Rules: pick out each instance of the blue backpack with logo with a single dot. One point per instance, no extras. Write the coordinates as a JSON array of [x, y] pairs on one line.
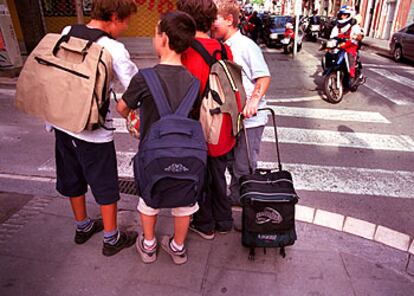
[[170, 166]]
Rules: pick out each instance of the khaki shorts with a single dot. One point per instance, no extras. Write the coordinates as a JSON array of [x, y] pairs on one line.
[[176, 212]]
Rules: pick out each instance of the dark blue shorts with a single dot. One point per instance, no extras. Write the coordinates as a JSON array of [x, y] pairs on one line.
[[80, 163]]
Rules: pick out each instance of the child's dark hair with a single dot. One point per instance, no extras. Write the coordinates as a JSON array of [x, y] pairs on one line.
[[204, 12], [180, 29]]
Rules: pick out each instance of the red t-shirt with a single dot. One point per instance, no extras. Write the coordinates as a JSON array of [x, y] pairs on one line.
[[194, 63]]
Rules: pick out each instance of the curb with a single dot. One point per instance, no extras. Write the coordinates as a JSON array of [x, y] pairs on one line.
[[347, 224]]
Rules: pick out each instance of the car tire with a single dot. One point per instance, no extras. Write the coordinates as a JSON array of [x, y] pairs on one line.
[[397, 54]]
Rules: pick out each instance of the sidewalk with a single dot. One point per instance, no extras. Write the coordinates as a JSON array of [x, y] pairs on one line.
[[377, 44], [38, 257]]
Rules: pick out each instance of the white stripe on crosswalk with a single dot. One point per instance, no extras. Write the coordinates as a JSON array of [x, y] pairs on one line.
[[389, 93], [330, 114], [395, 77], [7, 92], [350, 180], [292, 100], [325, 138], [382, 66], [340, 139]]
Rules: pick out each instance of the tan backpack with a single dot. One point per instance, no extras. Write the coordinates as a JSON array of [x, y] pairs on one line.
[[66, 81], [224, 88]]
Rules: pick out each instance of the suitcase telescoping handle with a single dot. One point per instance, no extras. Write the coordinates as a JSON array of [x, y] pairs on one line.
[[249, 156]]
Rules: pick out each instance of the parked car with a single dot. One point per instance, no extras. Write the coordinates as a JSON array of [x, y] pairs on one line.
[[402, 44], [274, 30]]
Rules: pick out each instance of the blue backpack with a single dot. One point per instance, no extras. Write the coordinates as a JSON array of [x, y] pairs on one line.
[[170, 166]]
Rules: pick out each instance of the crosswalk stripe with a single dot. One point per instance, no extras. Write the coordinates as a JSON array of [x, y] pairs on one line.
[[330, 114], [7, 92], [398, 67], [325, 114], [350, 180], [395, 77], [387, 92], [340, 139], [325, 138], [293, 100]]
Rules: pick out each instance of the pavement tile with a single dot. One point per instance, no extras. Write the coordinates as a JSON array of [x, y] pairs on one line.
[[359, 268], [392, 238], [226, 281], [20, 275], [139, 288], [312, 272], [314, 237], [382, 288]]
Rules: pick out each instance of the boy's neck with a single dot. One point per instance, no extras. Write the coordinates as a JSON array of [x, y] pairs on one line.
[[170, 58], [200, 34], [230, 33], [97, 24]]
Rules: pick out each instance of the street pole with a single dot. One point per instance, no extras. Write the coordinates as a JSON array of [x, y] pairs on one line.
[[79, 11], [298, 9]]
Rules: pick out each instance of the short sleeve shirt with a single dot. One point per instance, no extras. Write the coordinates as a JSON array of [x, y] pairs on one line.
[[249, 56], [124, 69], [175, 82]]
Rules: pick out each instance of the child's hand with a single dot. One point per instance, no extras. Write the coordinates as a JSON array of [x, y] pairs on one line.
[[251, 108]]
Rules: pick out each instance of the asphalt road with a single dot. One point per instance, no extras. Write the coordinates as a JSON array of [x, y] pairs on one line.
[[354, 158]]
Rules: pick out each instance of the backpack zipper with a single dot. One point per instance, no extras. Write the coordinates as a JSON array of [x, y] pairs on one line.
[[269, 194], [48, 63], [266, 182]]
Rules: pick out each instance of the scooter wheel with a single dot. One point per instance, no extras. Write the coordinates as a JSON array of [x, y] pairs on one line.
[[333, 93]]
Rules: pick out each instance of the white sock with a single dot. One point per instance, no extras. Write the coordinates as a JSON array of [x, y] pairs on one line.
[[150, 244], [176, 247]]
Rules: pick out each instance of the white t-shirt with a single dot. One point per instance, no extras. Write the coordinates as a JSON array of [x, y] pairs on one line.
[[247, 54], [124, 69]]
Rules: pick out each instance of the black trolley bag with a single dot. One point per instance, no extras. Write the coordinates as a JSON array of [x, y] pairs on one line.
[[268, 201]]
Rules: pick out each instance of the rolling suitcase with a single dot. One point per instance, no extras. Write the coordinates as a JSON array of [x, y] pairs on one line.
[[268, 201]]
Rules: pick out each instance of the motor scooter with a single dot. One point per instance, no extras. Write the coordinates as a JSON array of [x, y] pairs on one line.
[[335, 64]]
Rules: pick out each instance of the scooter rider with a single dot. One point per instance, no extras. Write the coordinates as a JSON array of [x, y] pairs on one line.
[[349, 35]]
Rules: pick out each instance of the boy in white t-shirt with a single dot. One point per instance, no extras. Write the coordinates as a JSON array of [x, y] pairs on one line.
[[88, 157], [256, 80]]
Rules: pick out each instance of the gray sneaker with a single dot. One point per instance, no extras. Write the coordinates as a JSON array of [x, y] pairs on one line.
[[179, 257], [147, 256]]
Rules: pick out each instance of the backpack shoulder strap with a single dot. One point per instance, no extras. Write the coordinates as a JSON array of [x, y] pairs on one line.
[[189, 99], [224, 55], [82, 31], [207, 57], [156, 90]]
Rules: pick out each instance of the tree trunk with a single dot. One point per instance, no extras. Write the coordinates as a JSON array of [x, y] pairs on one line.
[[31, 22]]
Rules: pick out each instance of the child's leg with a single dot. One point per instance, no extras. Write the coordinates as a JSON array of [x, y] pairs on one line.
[[79, 207], [109, 217], [148, 226], [181, 225]]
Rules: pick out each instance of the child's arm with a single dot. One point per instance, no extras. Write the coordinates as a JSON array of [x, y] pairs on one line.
[[122, 108], [261, 86]]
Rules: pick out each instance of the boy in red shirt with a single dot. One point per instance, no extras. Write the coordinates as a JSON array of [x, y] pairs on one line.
[[215, 213]]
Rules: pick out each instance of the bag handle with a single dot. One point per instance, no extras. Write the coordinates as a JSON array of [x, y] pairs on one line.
[[65, 39], [249, 157], [156, 90]]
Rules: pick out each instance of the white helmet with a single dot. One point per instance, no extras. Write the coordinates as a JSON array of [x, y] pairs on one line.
[[289, 26], [345, 10]]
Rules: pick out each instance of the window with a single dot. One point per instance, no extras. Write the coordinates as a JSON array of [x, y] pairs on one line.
[[410, 29]]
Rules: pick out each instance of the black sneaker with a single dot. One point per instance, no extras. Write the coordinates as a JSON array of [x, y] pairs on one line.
[[83, 236], [206, 235], [223, 230], [126, 240]]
